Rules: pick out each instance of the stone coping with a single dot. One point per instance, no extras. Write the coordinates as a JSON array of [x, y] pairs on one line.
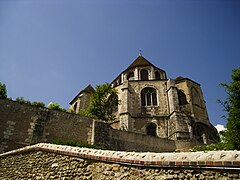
[[211, 159]]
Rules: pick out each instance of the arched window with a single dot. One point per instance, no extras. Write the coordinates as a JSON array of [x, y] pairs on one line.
[[182, 100], [195, 97], [151, 129], [130, 76], [144, 74], [149, 97], [113, 99], [157, 75]]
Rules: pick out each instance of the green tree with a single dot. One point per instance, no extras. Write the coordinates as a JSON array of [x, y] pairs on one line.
[[103, 102], [3, 91], [232, 106]]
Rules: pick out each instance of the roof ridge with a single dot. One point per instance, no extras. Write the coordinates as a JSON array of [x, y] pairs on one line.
[[140, 61]]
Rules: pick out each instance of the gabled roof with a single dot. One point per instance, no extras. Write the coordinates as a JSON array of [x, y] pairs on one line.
[[89, 89], [140, 61]]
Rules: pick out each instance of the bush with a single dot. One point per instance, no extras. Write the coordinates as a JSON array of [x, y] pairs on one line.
[[21, 100], [75, 144], [55, 106], [212, 147], [3, 91], [40, 104], [86, 113]]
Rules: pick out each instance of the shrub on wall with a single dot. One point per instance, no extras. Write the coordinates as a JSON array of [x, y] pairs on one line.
[[212, 147], [23, 101], [40, 104], [3, 91], [55, 106], [75, 144]]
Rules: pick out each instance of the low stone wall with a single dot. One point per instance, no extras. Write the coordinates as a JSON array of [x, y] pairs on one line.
[[46, 161], [106, 136]]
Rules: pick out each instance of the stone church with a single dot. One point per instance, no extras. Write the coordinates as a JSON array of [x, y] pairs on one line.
[[150, 103]]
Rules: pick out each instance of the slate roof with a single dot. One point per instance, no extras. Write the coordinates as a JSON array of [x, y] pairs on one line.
[[181, 79], [140, 61], [89, 89]]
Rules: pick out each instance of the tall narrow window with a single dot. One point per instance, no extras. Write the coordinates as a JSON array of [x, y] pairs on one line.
[[157, 75], [182, 100], [130, 76], [113, 99], [149, 97], [144, 74]]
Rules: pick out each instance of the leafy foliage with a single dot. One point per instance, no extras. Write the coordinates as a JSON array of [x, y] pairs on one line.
[[23, 101], [55, 106], [103, 102], [232, 106], [40, 104], [3, 91], [76, 144], [212, 147], [86, 113]]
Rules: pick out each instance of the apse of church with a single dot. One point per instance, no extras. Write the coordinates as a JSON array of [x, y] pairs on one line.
[[152, 104]]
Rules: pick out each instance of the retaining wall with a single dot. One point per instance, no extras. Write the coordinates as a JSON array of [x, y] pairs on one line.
[[22, 125], [110, 138]]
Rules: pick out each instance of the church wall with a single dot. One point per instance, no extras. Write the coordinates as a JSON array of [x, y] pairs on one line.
[[136, 108], [179, 125], [83, 102], [131, 110], [183, 86], [140, 124], [197, 104]]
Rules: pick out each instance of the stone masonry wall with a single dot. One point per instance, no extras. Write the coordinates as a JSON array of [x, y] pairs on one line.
[[110, 138], [45, 161], [40, 165], [22, 125]]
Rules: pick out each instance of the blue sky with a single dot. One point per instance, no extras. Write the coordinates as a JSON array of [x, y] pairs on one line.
[[51, 49]]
